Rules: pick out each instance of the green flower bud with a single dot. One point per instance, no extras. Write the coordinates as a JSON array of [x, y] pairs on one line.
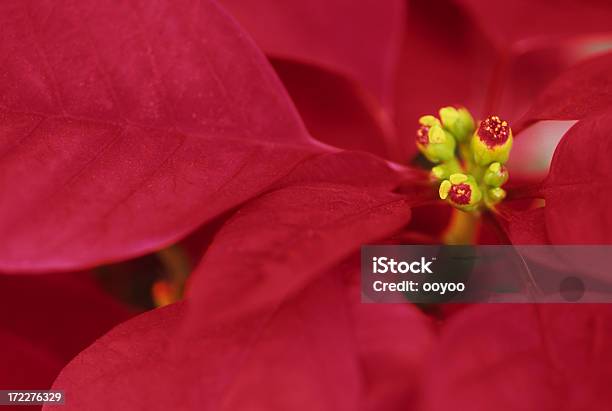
[[492, 141], [495, 195], [458, 121], [496, 175], [428, 121], [444, 170], [461, 191], [433, 141], [440, 172]]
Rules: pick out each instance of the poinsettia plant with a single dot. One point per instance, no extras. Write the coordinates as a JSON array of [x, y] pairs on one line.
[[272, 140]]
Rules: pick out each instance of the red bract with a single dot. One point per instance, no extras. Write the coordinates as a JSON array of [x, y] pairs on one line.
[[528, 227], [338, 62], [304, 353], [291, 239], [126, 126], [335, 111], [581, 91], [578, 190], [154, 117], [359, 40], [518, 357], [524, 24]]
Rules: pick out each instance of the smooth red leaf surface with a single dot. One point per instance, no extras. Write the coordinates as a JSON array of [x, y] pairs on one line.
[[279, 243], [356, 169], [523, 357], [444, 61], [320, 350], [578, 189], [336, 111], [125, 125], [356, 39], [298, 356], [526, 76], [521, 24], [393, 341], [134, 356], [528, 227], [581, 91]]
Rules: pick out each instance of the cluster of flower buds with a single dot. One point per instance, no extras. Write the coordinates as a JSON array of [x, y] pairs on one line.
[[469, 160]]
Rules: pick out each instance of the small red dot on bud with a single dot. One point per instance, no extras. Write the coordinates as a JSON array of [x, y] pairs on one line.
[[493, 131], [422, 135]]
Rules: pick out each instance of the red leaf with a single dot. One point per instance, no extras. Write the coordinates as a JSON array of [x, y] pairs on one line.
[[355, 169], [304, 354], [301, 230], [393, 354], [336, 111], [131, 359], [125, 126], [521, 24], [393, 341], [526, 76], [291, 358], [356, 39], [578, 189], [528, 227], [523, 357], [581, 91]]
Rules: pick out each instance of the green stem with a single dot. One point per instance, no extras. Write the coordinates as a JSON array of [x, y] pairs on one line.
[[465, 152], [453, 166], [463, 228]]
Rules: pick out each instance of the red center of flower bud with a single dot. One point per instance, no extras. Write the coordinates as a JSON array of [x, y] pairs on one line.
[[422, 135], [493, 131], [460, 194]]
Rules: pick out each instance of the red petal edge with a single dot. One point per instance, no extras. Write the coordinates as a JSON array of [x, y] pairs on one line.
[[359, 40], [578, 189], [278, 244], [581, 91]]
